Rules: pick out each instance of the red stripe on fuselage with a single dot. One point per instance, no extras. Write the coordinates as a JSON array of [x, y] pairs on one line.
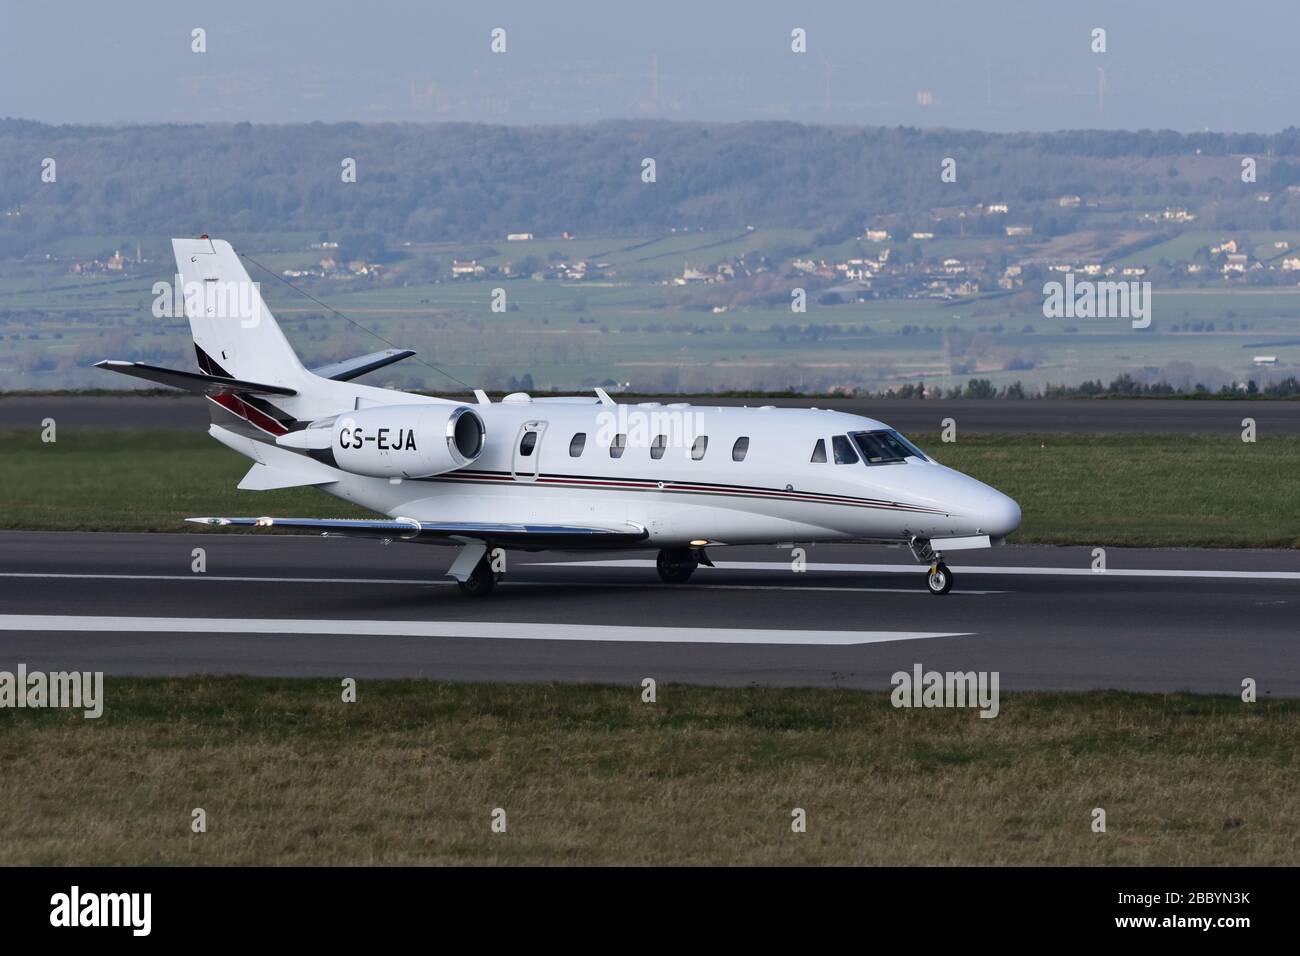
[[689, 488], [259, 419]]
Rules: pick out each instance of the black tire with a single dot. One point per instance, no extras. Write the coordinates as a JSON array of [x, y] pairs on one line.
[[938, 580], [481, 580], [676, 565]]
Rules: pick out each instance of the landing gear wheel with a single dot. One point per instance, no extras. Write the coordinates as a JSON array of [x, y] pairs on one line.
[[481, 580], [676, 565], [939, 579]]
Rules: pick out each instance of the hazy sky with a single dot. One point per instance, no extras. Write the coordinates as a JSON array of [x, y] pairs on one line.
[[1023, 64]]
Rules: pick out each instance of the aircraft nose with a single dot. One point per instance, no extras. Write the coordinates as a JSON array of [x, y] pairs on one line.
[[999, 515]]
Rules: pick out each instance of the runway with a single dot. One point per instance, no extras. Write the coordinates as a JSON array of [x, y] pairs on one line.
[[276, 605], [1127, 416]]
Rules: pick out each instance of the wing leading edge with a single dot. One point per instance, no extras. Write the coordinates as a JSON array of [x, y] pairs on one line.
[[409, 529]]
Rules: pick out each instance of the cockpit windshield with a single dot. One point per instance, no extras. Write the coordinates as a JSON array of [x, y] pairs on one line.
[[885, 447]]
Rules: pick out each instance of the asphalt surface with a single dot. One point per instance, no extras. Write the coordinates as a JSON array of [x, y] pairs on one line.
[[1028, 416], [269, 604]]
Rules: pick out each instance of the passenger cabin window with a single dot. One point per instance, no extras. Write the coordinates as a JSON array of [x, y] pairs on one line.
[[844, 453], [700, 447], [616, 447], [819, 452], [740, 449], [527, 444], [886, 447], [657, 446], [578, 443]]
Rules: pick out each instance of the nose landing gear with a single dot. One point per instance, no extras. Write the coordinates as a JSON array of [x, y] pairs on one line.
[[938, 580]]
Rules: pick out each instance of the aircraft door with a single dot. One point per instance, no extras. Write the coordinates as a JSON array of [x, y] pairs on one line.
[[528, 451]]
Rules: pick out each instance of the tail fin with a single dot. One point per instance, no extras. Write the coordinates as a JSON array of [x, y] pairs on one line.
[[235, 334]]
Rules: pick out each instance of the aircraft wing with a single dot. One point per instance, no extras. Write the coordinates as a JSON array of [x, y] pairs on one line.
[[434, 532]]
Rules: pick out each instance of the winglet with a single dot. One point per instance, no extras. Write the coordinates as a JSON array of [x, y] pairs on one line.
[[482, 397], [604, 396]]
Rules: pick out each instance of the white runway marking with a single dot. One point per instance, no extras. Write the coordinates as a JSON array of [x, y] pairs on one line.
[[790, 587], [498, 630], [217, 577], [241, 579], [956, 568]]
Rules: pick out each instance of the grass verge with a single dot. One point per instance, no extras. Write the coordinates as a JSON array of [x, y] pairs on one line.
[[411, 773], [1138, 490]]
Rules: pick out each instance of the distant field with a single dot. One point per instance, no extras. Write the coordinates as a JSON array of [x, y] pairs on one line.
[[571, 335], [412, 772], [1184, 246], [636, 327], [1138, 490]]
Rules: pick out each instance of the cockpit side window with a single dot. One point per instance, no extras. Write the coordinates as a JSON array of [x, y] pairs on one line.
[[886, 447], [819, 452], [844, 453]]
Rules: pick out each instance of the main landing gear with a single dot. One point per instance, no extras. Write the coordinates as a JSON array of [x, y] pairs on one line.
[[938, 580], [676, 565], [480, 581], [472, 570]]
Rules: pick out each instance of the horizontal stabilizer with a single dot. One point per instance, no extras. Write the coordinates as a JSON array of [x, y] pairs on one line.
[[349, 369], [267, 478], [197, 382], [519, 535]]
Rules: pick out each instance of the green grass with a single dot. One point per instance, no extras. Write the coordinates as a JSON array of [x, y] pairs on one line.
[[1137, 490], [135, 481], [1140, 490], [411, 772]]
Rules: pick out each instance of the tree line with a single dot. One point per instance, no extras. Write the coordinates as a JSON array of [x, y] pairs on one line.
[[465, 181]]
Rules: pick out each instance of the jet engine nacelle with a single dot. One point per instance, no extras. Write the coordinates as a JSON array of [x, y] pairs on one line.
[[407, 441]]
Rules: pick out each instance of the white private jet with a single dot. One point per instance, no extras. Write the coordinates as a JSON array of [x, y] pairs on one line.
[[572, 474]]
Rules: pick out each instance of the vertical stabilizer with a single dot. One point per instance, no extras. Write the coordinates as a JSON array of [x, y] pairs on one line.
[[234, 332]]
